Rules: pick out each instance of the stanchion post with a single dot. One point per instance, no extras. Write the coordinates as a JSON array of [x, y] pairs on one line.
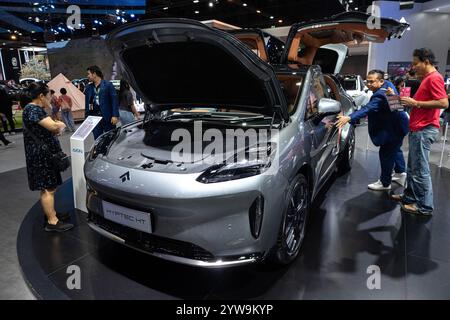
[[443, 145]]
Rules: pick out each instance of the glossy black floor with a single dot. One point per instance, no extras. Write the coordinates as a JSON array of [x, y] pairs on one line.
[[351, 228]]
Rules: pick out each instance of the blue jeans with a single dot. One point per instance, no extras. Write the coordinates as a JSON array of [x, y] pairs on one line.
[[420, 188], [391, 157], [68, 120], [126, 117]]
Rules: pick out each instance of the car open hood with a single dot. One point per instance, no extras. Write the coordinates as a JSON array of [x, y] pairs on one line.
[[184, 63], [305, 38]]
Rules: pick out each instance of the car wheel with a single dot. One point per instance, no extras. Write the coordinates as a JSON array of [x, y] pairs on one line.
[[293, 224], [346, 157]]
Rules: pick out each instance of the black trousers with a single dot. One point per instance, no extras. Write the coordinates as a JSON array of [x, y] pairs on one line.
[[9, 119], [3, 139]]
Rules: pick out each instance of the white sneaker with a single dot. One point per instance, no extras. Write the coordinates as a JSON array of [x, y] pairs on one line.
[[400, 178], [378, 186]]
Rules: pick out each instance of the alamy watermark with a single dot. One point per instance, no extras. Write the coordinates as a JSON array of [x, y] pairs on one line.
[[374, 280], [74, 280]]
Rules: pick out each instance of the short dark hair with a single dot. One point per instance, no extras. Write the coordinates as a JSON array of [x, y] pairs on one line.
[[424, 54], [63, 91], [96, 70], [379, 73]]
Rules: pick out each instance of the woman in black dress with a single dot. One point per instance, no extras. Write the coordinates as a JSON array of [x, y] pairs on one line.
[[39, 130]]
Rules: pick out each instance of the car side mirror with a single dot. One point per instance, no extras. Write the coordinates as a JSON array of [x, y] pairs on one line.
[[328, 107]]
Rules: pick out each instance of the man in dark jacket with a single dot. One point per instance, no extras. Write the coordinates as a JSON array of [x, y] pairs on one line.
[[386, 129], [6, 109], [101, 100]]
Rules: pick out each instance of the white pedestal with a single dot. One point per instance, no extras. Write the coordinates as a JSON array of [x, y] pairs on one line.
[[78, 150]]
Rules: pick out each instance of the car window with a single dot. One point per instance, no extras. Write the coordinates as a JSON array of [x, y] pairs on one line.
[[317, 91], [291, 84]]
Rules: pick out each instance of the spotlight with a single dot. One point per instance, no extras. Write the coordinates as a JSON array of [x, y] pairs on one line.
[[244, 4], [406, 4], [196, 1], [196, 12], [258, 11], [211, 4]]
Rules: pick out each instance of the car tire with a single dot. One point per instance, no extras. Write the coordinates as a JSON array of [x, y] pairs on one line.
[[345, 161], [293, 223]]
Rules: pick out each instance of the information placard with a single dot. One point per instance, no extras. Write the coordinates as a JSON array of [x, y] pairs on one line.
[[86, 127]]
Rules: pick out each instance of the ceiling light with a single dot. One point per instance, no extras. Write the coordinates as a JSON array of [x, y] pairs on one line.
[[258, 11], [211, 4], [197, 12], [350, 1], [196, 1], [132, 15], [280, 21], [271, 17], [13, 37], [244, 4], [356, 9], [36, 3], [166, 8]]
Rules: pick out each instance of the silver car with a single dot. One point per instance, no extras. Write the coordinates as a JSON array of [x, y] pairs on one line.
[[201, 210]]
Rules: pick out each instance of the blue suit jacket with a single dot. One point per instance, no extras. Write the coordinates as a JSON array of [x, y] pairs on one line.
[[385, 126], [109, 105]]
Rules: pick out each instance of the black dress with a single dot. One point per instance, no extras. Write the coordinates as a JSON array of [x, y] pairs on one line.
[[41, 175]]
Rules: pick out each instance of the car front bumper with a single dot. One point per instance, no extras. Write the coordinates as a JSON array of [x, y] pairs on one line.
[[201, 225]]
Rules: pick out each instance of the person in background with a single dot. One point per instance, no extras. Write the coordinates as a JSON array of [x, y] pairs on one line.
[[6, 104], [412, 82], [42, 175], [66, 109], [417, 198], [399, 82], [101, 100], [386, 129], [127, 109], [5, 141], [54, 103]]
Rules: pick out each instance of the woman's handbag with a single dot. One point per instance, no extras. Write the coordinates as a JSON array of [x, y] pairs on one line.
[[59, 160]]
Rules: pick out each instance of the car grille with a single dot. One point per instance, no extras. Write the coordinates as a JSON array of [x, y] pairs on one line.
[[152, 243]]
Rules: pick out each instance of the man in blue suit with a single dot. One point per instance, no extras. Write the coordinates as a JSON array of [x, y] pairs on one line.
[[386, 129], [101, 100]]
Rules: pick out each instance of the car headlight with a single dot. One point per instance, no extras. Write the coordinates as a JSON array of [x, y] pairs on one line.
[[102, 144], [256, 160]]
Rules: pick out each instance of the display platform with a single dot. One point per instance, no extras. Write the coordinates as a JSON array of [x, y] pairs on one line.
[[351, 230]]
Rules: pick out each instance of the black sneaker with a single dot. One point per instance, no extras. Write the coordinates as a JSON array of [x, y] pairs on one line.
[[58, 227], [62, 216]]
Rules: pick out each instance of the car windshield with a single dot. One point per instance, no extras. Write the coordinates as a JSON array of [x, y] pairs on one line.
[[349, 84], [291, 84]]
